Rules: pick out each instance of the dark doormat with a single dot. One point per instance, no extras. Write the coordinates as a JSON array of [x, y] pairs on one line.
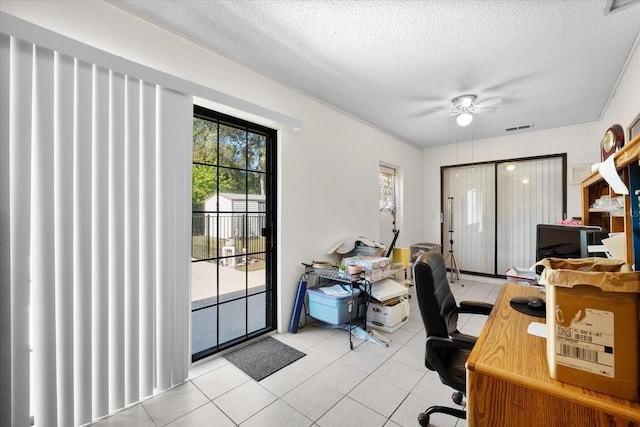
[[264, 357]]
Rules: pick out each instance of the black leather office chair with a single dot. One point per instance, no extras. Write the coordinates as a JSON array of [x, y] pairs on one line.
[[447, 349]]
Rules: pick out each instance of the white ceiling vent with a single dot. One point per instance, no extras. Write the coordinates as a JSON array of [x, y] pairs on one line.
[[617, 5]]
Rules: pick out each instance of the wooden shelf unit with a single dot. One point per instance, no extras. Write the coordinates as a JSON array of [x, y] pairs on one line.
[[594, 186]]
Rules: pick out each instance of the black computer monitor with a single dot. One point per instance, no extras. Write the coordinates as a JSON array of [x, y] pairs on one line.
[[567, 241]]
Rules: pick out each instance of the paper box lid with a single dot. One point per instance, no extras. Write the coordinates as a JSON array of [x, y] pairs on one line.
[[386, 289], [610, 275]]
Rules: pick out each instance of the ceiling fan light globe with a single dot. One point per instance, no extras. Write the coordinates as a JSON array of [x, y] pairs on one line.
[[464, 119]]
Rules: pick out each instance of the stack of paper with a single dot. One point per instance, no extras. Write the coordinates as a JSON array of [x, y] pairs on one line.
[[336, 290]]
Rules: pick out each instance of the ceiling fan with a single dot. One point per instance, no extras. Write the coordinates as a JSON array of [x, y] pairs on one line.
[[465, 106]]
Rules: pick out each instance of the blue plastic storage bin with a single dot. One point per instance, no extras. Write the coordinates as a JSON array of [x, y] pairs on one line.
[[335, 310]]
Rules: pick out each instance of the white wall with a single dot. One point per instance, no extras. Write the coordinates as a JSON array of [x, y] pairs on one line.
[[580, 142], [624, 104], [328, 170], [328, 185]]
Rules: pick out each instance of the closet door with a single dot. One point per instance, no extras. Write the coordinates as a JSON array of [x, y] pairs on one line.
[[490, 211], [468, 201], [530, 192]]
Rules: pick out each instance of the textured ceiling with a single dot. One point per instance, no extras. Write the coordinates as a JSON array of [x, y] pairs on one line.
[[395, 63]]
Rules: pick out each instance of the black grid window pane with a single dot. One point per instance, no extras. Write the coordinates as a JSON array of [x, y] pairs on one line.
[[233, 254]]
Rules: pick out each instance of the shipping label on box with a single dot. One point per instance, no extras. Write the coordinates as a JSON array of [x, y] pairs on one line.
[[586, 342]]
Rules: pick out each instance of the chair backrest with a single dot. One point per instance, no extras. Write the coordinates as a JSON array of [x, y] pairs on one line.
[[437, 304]]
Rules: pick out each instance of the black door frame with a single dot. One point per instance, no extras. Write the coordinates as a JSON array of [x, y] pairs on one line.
[[268, 232]]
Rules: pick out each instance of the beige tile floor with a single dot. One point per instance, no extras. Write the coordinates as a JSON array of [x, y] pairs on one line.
[[331, 386], [204, 279]]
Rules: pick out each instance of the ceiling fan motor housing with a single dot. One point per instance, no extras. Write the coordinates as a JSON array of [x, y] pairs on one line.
[[464, 101]]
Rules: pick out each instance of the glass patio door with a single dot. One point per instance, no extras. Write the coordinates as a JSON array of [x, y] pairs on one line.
[[233, 251]]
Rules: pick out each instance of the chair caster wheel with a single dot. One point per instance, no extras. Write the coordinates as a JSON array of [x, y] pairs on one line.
[[457, 398], [423, 419]]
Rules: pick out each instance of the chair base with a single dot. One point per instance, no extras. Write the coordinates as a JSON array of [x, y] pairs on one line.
[[423, 418]]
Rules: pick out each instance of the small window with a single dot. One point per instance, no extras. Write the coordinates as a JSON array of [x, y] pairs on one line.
[[387, 182]]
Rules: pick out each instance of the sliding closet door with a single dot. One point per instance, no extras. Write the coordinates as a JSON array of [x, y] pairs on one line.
[[490, 211], [530, 192], [469, 217]]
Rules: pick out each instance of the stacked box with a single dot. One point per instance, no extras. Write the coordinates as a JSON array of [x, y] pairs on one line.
[[368, 263], [389, 317], [375, 268], [593, 318]]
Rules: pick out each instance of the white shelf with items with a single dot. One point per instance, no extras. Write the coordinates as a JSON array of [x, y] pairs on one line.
[[362, 281], [595, 188]]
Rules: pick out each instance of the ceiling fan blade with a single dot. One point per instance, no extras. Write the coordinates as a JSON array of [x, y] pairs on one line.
[[489, 102], [485, 110], [440, 113], [434, 113], [437, 114], [448, 109]]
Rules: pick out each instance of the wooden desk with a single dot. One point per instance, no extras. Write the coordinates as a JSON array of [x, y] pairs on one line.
[[508, 382]]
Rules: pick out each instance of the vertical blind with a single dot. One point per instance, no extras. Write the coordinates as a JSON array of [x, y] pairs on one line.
[[95, 190]]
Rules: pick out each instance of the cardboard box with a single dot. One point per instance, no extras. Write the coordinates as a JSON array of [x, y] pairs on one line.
[[389, 315], [375, 268], [400, 256], [593, 319], [377, 274], [390, 329], [418, 249], [332, 309], [375, 324], [368, 263]]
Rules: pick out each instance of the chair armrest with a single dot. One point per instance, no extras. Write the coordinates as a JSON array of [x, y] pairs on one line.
[[475, 307]]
